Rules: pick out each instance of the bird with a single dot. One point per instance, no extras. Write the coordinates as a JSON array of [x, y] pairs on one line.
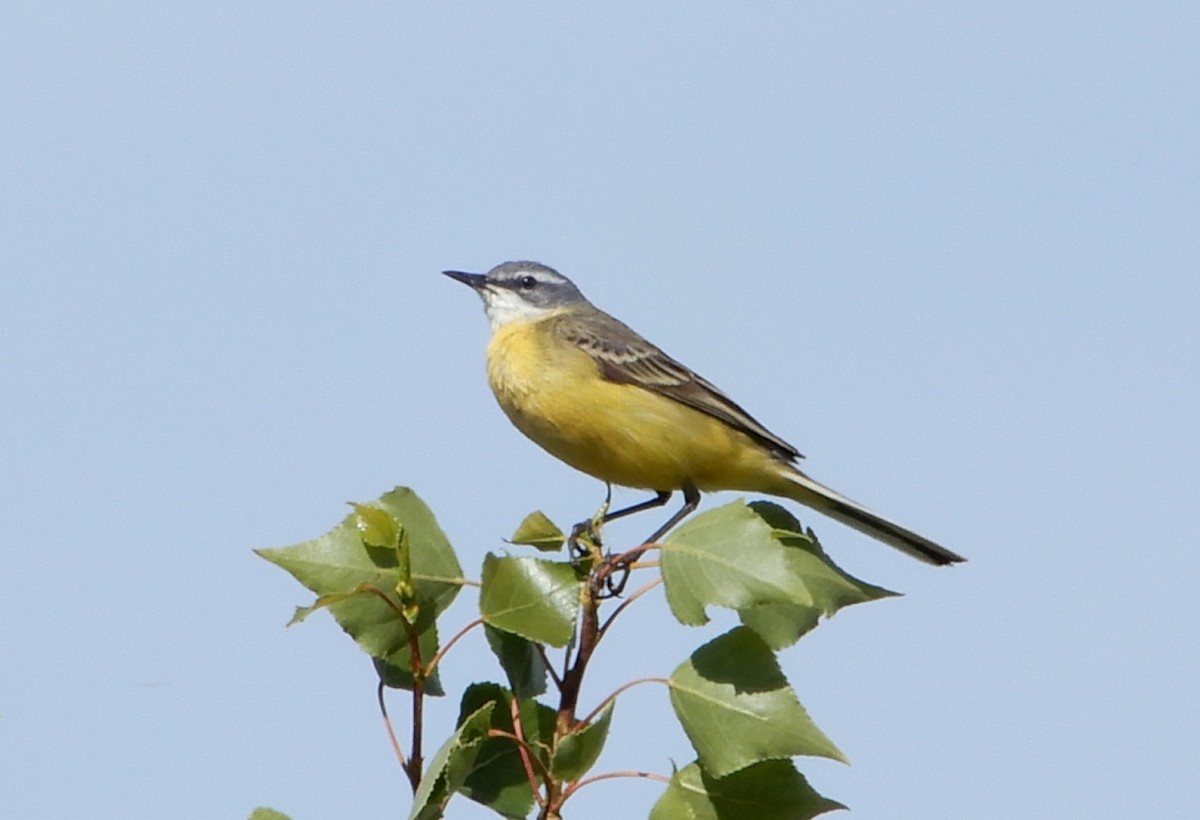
[[595, 394]]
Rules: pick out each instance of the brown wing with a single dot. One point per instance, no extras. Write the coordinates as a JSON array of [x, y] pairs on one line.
[[625, 357]]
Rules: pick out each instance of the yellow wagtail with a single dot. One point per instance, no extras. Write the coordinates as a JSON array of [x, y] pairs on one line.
[[595, 394]]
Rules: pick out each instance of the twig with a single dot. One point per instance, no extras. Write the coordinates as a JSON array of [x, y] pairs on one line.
[[638, 594], [418, 705], [441, 652], [579, 784], [521, 744], [514, 711], [591, 715], [415, 761], [624, 563], [387, 722], [541, 650], [589, 625], [379, 593]]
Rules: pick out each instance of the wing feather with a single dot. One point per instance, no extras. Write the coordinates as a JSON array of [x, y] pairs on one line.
[[624, 357]]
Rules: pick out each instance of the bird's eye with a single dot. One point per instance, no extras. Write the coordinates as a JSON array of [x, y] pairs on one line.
[[528, 282]]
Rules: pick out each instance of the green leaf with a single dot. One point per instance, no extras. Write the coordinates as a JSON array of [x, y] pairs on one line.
[[342, 563], [498, 779], [726, 557], [755, 559], [378, 528], [832, 588], [738, 709], [530, 597], [302, 612], [771, 790], [451, 765], [263, 813], [522, 663], [539, 531], [577, 751], [780, 625]]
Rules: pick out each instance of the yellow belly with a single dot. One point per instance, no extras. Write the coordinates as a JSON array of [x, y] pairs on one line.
[[620, 433]]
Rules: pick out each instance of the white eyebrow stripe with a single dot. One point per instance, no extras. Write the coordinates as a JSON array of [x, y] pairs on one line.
[[542, 276]]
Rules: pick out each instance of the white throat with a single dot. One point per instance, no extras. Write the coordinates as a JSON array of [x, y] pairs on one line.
[[503, 307]]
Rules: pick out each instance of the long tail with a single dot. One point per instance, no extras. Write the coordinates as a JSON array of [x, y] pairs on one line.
[[801, 488]]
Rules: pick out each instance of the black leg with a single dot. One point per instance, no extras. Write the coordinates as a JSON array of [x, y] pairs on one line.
[[691, 500], [579, 529], [615, 581], [659, 500]]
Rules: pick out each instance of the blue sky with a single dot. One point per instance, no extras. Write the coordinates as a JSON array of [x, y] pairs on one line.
[[949, 250]]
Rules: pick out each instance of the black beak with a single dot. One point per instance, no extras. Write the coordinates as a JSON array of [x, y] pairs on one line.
[[474, 280]]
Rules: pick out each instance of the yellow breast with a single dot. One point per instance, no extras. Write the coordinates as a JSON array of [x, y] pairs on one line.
[[553, 392]]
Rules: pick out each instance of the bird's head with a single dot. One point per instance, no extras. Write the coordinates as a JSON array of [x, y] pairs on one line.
[[521, 291]]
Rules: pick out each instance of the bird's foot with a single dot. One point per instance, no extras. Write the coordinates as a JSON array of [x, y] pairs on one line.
[[584, 539]]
